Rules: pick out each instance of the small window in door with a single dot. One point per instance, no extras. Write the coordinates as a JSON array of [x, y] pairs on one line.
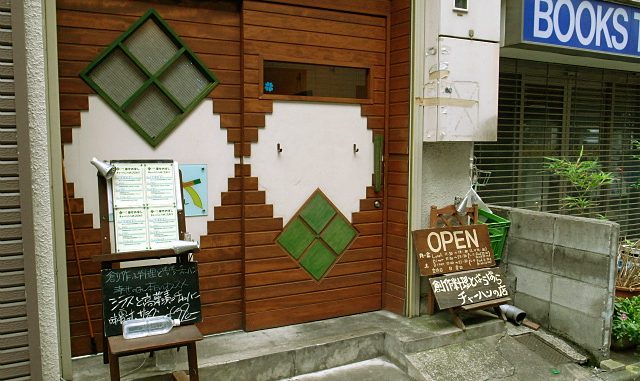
[[290, 79]]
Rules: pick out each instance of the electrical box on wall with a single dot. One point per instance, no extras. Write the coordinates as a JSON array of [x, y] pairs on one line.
[[477, 19], [461, 91], [460, 87]]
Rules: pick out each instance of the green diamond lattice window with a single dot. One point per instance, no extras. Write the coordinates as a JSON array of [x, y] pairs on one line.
[[150, 78], [317, 235]]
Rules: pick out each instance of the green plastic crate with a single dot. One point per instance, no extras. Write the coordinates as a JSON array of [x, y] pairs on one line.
[[498, 230]]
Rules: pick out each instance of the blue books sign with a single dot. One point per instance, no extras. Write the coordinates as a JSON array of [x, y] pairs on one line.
[[588, 25]]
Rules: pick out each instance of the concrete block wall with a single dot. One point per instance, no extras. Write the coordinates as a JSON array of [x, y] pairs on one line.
[[562, 271]]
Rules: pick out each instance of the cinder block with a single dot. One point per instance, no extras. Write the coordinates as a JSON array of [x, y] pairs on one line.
[[586, 331], [581, 297], [511, 281], [502, 211], [587, 234], [537, 310], [530, 254], [582, 265], [532, 282], [534, 226]]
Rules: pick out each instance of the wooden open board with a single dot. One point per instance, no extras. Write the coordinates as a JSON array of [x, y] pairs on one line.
[[469, 287], [450, 249], [138, 292]]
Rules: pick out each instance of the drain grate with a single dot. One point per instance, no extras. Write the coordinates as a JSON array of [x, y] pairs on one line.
[[543, 349]]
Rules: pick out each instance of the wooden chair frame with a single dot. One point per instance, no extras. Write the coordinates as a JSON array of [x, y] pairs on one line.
[[446, 217]]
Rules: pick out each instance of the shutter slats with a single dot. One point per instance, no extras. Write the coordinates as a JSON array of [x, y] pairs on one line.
[[13, 355], [13, 325], [551, 110], [12, 340], [11, 278], [14, 343], [12, 294], [15, 370]]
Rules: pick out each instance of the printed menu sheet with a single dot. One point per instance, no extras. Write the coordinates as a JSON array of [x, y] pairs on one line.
[[144, 205]]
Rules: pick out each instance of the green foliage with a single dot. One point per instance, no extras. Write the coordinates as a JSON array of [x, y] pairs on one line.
[[626, 319], [586, 177]]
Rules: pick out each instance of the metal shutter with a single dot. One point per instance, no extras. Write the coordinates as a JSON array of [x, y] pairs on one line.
[[14, 349], [551, 110]]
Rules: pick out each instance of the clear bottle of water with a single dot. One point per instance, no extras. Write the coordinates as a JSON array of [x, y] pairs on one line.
[[154, 325]]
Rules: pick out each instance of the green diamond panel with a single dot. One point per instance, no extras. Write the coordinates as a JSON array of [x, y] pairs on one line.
[[339, 234], [317, 260], [317, 236], [318, 212], [296, 238]]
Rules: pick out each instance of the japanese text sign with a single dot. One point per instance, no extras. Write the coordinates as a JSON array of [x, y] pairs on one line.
[[469, 287], [450, 249]]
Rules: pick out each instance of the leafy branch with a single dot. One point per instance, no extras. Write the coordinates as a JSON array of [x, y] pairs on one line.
[[586, 178]]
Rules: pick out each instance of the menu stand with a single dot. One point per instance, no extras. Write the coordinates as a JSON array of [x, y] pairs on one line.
[[118, 346]]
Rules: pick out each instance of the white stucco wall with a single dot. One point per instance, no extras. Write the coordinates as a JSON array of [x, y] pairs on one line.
[[39, 240], [445, 174], [197, 140], [317, 152]]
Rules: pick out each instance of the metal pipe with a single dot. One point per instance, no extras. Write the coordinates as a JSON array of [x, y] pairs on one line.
[[513, 313]]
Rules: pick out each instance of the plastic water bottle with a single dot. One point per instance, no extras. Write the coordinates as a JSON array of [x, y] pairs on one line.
[[154, 325]]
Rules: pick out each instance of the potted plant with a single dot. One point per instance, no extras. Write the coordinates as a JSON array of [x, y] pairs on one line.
[[628, 266], [625, 331]]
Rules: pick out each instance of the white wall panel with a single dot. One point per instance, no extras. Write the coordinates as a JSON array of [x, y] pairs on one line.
[[197, 140], [317, 152]]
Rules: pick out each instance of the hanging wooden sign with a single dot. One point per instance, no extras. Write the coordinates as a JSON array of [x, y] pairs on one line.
[[450, 249], [469, 287]]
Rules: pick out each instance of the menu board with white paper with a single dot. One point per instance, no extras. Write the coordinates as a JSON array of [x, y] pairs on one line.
[[145, 207]]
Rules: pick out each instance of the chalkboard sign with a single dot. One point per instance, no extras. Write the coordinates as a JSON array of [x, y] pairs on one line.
[[139, 292], [469, 287], [450, 249]]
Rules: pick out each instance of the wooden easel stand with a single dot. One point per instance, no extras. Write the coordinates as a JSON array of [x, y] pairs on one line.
[[118, 346], [177, 337], [448, 217], [495, 303]]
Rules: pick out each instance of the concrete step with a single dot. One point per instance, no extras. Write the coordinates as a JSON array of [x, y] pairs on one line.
[[291, 351], [378, 369], [495, 357], [263, 359]]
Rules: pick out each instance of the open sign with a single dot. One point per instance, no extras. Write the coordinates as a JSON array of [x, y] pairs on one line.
[[445, 239], [451, 249]]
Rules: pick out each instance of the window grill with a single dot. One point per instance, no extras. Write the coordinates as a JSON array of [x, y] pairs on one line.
[[150, 78], [551, 110]]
